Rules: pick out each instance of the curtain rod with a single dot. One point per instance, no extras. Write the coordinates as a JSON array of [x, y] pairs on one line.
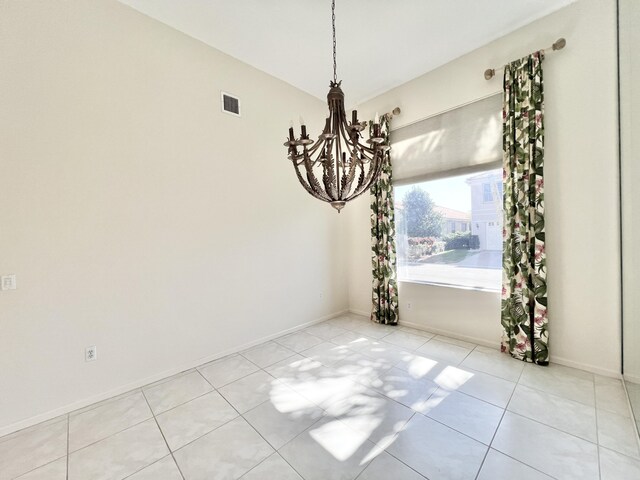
[[559, 44]]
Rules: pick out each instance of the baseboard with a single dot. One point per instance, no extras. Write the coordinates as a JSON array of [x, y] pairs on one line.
[[605, 372], [437, 331], [631, 378], [485, 343], [51, 414], [360, 312]]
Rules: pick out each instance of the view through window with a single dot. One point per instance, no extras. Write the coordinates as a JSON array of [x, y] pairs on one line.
[[449, 230]]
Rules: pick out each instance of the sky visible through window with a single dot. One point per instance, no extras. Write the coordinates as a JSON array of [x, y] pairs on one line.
[[450, 192]]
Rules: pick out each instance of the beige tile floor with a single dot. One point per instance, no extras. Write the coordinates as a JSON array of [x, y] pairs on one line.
[[341, 400]]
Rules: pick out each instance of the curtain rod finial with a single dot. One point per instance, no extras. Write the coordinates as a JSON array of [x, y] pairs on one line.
[[489, 73], [559, 44]]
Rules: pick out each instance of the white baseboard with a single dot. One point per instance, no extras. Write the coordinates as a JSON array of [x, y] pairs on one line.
[[631, 378], [465, 338], [51, 414], [605, 372], [360, 312], [486, 343]]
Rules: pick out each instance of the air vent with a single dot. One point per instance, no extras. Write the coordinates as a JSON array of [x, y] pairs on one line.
[[230, 104]]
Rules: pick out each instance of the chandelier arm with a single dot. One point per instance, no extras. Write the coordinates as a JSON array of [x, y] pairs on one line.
[[303, 182], [328, 178], [329, 175], [372, 174], [306, 186], [342, 133], [347, 182], [368, 152], [314, 148], [337, 160], [313, 181]]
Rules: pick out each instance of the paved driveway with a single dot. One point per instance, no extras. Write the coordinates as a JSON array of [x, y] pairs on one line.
[[482, 259], [482, 269]]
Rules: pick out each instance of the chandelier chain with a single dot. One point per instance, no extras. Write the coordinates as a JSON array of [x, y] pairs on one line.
[[333, 23]]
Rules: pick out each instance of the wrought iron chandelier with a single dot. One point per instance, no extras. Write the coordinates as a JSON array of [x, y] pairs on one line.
[[346, 167]]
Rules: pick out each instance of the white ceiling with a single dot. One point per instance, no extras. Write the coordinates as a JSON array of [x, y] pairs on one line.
[[381, 43]]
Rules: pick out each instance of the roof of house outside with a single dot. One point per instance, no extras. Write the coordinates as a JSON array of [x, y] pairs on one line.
[[451, 214]]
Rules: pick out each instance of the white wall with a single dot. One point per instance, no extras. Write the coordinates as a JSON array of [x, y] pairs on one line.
[[581, 179], [137, 216]]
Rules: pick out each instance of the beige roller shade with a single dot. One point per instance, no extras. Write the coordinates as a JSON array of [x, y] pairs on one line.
[[465, 139]]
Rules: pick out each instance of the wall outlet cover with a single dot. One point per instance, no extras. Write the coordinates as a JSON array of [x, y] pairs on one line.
[[90, 354], [8, 282]]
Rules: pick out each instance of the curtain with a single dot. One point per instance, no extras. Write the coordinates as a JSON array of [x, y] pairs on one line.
[[524, 287], [383, 248]]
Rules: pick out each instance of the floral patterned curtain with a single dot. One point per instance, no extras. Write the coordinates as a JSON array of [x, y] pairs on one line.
[[383, 247], [524, 286]]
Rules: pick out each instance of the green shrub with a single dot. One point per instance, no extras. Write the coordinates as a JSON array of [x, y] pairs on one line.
[[461, 241]]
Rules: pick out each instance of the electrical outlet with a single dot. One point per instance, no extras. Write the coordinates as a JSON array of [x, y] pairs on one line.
[[8, 282], [408, 306], [91, 353], [321, 295]]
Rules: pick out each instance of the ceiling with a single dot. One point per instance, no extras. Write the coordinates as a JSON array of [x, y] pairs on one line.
[[381, 43]]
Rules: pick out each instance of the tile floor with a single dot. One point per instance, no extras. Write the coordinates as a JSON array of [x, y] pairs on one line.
[[340, 400]]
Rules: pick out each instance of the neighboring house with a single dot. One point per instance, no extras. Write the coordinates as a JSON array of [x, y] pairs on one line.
[[486, 209], [453, 220]]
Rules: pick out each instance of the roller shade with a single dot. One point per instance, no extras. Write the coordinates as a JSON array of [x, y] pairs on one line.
[[465, 138]]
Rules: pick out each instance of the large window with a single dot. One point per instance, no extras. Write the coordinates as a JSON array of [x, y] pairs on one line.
[[449, 230]]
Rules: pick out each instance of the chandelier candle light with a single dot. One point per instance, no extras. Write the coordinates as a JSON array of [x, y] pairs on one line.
[[338, 155]]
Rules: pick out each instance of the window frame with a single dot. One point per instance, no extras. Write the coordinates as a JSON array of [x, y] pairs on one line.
[[476, 169]]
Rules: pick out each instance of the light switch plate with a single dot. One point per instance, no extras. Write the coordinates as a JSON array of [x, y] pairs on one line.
[[8, 282]]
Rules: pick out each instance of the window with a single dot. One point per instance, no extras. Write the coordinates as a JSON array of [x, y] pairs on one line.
[[448, 194], [448, 233], [487, 196]]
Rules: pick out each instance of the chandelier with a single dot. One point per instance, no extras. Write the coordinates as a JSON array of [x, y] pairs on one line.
[[337, 167]]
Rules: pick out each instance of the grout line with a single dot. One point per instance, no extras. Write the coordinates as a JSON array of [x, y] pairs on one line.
[[153, 463], [114, 433], [504, 412], [45, 423], [525, 464], [68, 430], [258, 464], [595, 403], [106, 401], [392, 455], [207, 433], [163, 437], [146, 419], [277, 361], [277, 451], [34, 469], [234, 380]]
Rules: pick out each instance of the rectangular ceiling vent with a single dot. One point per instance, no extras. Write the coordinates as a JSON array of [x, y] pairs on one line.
[[230, 104]]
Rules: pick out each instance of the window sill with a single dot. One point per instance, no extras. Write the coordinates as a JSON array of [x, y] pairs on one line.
[[450, 285]]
